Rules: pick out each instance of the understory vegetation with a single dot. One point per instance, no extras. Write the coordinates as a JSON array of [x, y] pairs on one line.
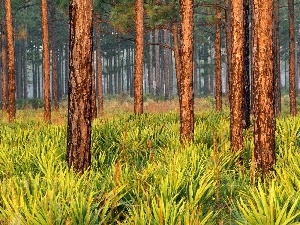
[[140, 173]]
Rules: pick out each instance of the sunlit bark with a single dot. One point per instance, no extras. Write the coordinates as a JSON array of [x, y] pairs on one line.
[[263, 86], [80, 85], [139, 57], [186, 77]]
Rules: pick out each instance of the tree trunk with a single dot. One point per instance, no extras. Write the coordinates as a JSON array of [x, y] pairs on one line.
[[151, 78], [186, 78], [292, 65], [236, 84], [277, 58], [99, 71], [218, 59], [246, 68], [263, 86], [11, 62], [139, 57], [157, 64], [80, 85], [46, 61], [228, 47], [4, 68], [54, 62], [177, 58]]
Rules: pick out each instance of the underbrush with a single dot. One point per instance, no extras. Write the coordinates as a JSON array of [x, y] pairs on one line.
[[140, 174]]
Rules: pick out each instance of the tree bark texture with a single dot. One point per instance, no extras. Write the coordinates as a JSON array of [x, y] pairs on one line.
[[46, 61], [11, 62], [80, 85], [139, 57], [186, 78], [218, 68], [263, 86], [292, 65], [236, 76], [4, 78]]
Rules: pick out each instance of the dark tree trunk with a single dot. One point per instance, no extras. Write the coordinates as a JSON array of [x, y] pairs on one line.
[[246, 67], [277, 58], [11, 62], [151, 77], [177, 58], [228, 47], [99, 71], [218, 67], [263, 86], [186, 78], [80, 85], [54, 61], [292, 65], [139, 57], [236, 84], [46, 61]]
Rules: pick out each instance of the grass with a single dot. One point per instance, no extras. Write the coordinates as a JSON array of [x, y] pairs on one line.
[[141, 174]]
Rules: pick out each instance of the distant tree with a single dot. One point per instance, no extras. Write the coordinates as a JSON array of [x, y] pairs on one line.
[[263, 86], [277, 58], [80, 85], [139, 57], [218, 58], [11, 62], [236, 76], [46, 61], [186, 77], [292, 65]]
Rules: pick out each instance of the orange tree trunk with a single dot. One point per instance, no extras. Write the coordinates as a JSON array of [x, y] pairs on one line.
[[139, 57], [11, 62], [236, 77], [186, 77], [263, 85], [80, 85], [4, 68], [46, 61]]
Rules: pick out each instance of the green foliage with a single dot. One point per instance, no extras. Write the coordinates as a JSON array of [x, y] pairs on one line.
[[141, 174]]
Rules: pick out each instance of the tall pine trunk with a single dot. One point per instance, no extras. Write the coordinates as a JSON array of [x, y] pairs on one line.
[[11, 62], [263, 86], [4, 78], [277, 58], [139, 57], [186, 77], [236, 76], [46, 61], [80, 85]]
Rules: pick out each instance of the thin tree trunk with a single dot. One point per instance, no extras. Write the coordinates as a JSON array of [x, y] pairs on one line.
[[218, 67], [277, 58], [99, 71], [263, 86], [80, 85], [4, 68], [292, 65], [11, 62], [151, 77], [177, 58], [46, 61], [157, 64], [228, 47], [236, 84], [139, 57], [186, 78], [54, 61]]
